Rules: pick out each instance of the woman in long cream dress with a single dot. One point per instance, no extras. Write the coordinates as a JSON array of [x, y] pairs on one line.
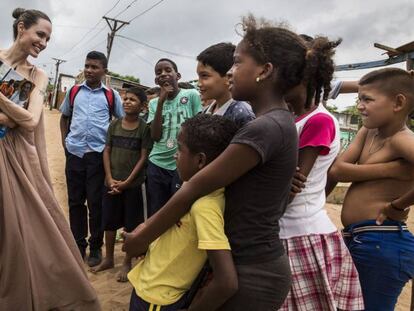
[[40, 265]]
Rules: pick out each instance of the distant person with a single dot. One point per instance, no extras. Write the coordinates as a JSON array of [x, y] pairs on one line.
[[213, 65], [166, 114], [379, 162], [40, 266], [125, 155], [86, 113]]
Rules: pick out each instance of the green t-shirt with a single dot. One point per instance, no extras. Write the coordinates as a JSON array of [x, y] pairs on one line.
[[184, 106], [126, 148]]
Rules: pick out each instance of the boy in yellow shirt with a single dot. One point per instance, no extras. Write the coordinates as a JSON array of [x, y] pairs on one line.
[[162, 280]]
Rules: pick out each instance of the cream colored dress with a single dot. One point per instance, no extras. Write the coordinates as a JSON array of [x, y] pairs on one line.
[[40, 265]]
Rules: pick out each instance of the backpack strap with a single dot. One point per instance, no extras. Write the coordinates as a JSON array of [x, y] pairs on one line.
[[110, 98], [74, 90]]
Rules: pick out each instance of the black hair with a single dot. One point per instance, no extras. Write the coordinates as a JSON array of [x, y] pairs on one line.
[[186, 85], [11, 81], [154, 90], [170, 61], [28, 17], [209, 134], [296, 59], [305, 37], [391, 82], [218, 56], [138, 92], [98, 56]]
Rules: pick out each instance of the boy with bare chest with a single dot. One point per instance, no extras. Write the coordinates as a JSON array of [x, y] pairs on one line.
[[380, 165]]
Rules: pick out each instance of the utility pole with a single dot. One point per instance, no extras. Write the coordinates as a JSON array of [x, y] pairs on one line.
[[114, 25], [54, 98]]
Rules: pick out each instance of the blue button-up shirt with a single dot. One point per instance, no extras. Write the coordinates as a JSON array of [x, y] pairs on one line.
[[90, 119]]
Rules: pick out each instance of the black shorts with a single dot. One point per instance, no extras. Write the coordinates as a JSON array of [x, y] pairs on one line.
[[124, 210]]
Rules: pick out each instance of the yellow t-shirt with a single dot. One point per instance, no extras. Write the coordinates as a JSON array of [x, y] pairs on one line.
[[174, 260]]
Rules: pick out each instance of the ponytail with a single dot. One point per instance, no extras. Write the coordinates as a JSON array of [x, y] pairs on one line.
[[319, 69]]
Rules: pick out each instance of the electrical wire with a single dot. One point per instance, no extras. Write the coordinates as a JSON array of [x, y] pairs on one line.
[[156, 48], [127, 7], [147, 10], [136, 54], [90, 31]]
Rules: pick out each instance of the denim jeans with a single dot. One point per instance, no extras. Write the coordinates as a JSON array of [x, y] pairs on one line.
[[385, 263]]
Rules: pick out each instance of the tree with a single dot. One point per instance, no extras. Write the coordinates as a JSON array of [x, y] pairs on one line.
[[332, 108], [126, 77]]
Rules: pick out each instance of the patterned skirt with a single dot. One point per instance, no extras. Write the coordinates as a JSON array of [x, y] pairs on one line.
[[324, 276]]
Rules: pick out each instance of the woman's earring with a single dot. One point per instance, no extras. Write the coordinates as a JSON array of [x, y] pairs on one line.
[[258, 79]]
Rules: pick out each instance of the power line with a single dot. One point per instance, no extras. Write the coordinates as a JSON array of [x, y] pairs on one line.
[[127, 7], [112, 7], [92, 29], [147, 10], [136, 54], [83, 53], [158, 49]]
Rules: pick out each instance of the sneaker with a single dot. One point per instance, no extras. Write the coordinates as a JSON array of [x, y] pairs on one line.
[[95, 257]]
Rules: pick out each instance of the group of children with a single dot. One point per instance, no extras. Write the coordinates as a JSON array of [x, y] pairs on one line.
[[236, 191]]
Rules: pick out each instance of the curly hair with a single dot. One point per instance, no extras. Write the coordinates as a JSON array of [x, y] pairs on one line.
[[210, 134], [138, 92], [319, 69], [296, 59], [173, 64]]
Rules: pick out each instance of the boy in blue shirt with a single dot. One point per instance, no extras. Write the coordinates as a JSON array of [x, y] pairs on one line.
[[83, 126], [166, 114]]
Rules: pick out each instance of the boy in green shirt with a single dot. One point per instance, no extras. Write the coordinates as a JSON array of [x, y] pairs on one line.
[[166, 114]]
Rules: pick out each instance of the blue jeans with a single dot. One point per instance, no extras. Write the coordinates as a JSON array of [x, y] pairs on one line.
[[385, 263]]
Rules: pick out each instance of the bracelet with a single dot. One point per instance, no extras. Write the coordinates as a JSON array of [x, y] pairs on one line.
[[399, 209]]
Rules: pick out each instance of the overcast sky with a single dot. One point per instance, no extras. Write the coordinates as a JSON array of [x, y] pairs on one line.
[[186, 27]]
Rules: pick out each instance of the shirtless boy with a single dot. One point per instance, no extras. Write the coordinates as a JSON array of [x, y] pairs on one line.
[[380, 165]]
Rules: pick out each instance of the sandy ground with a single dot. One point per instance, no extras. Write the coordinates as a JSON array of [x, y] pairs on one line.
[[113, 295]]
